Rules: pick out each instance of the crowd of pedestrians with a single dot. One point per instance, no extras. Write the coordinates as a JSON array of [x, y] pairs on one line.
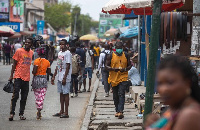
[[74, 65]]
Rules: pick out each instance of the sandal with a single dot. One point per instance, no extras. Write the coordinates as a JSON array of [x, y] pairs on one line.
[[57, 115], [64, 116], [38, 117], [11, 117], [22, 117]]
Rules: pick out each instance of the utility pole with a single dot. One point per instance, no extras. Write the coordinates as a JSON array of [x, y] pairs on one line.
[[153, 57], [75, 24]]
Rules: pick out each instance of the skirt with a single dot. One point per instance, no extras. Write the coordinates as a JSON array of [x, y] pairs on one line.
[[39, 81]]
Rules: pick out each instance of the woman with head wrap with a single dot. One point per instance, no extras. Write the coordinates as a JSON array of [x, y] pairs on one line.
[[39, 83]]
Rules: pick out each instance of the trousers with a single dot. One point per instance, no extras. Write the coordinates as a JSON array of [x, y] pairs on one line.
[[19, 84], [119, 97]]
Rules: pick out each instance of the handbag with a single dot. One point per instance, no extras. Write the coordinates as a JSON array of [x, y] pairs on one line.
[[8, 87]]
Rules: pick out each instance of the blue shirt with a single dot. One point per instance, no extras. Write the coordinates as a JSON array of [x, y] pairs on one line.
[[81, 53]]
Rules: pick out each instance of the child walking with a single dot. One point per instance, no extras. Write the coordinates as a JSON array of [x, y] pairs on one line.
[[39, 83]]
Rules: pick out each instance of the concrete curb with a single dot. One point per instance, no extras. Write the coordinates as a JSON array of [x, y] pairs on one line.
[[88, 114]]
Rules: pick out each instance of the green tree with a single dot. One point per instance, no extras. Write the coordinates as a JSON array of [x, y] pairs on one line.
[[58, 15]]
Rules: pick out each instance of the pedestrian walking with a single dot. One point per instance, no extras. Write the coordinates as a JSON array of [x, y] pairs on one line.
[[104, 71], [76, 68], [89, 67], [177, 84], [96, 54], [17, 46], [118, 64], [7, 50], [39, 83], [21, 71], [81, 52], [50, 55], [64, 71]]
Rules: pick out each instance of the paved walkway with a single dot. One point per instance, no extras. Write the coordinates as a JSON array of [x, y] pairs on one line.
[[104, 111], [51, 106]]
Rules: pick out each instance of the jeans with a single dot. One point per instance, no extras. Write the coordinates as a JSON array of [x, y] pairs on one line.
[[7, 58], [105, 75], [24, 86], [74, 83], [119, 97]]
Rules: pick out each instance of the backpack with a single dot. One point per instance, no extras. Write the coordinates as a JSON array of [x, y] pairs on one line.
[[75, 64]]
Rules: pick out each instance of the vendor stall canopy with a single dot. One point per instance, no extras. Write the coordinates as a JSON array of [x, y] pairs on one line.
[[140, 7]]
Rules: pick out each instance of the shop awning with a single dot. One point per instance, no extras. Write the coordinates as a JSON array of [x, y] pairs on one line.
[[130, 16], [129, 33]]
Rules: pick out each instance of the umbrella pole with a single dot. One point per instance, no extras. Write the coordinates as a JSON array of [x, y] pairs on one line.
[[152, 57]]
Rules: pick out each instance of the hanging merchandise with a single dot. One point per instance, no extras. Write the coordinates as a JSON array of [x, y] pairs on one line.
[[173, 28]]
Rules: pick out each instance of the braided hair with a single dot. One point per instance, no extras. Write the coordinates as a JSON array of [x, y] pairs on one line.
[[183, 65]]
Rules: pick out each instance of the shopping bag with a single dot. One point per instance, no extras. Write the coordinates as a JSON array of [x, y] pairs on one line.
[[8, 87]]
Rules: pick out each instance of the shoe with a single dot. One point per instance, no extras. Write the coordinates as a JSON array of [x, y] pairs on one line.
[[72, 95], [21, 117], [117, 114], [107, 95], [84, 90], [11, 117], [120, 116], [88, 90], [79, 91], [64, 116], [57, 115], [76, 95]]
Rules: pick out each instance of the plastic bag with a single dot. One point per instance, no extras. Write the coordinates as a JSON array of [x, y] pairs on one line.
[[8, 87]]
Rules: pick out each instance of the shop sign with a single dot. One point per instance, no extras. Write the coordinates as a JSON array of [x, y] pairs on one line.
[[40, 27], [15, 26]]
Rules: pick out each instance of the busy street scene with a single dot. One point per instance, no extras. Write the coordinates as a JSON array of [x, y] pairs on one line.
[[99, 64]]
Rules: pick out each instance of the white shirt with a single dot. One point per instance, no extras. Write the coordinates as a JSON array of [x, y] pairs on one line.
[[102, 58], [88, 59], [63, 59], [17, 46]]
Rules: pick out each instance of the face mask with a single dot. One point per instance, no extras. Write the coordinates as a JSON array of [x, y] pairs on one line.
[[119, 51]]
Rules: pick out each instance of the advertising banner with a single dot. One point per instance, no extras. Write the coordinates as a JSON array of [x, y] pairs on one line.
[[14, 26], [40, 27], [4, 10], [107, 21], [16, 11]]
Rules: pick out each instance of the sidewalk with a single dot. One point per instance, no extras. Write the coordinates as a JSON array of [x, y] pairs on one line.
[[103, 111]]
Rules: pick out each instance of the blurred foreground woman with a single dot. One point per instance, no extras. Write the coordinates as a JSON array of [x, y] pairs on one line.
[[178, 87]]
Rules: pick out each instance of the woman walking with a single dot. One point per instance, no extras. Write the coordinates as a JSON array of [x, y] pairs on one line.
[[39, 83]]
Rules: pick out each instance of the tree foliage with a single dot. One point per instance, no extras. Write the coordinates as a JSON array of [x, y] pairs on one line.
[[63, 15], [58, 15]]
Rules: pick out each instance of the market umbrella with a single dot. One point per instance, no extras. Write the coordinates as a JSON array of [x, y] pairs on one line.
[[89, 37], [140, 7], [111, 32], [6, 31], [16, 35]]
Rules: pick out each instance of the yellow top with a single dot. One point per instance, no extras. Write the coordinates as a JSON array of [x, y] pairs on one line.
[[97, 49], [118, 62]]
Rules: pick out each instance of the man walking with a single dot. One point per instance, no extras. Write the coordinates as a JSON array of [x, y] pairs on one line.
[[21, 71], [7, 50], [17, 45], [75, 72], [96, 55], [64, 70], [104, 71], [89, 67], [81, 53], [118, 64]]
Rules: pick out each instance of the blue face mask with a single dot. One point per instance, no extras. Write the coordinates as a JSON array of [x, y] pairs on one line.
[[119, 51]]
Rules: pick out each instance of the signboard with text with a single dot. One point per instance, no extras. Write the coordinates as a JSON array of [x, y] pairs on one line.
[[108, 21], [15, 26], [16, 12], [4, 10]]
